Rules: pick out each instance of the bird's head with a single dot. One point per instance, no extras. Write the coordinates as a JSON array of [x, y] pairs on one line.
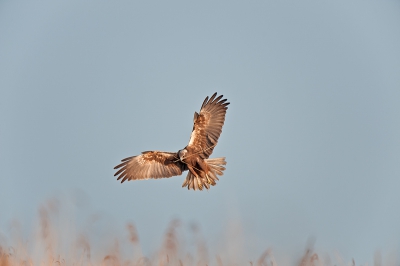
[[182, 154]]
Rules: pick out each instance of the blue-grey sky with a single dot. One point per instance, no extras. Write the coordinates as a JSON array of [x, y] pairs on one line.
[[311, 136]]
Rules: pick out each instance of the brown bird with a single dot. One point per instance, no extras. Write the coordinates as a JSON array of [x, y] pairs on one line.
[[203, 171]]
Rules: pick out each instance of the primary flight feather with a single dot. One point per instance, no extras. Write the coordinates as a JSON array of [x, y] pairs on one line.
[[194, 157]]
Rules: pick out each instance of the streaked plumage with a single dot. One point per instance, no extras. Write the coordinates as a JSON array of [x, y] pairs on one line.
[[194, 157]]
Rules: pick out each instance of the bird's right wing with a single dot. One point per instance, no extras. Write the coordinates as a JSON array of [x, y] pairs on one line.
[[150, 164]]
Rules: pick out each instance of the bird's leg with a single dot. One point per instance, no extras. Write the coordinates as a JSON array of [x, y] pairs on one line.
[[204, 167], [209, 181], [191, 169]]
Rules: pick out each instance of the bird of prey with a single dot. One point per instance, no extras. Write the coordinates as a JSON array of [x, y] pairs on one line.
[[203, 171]]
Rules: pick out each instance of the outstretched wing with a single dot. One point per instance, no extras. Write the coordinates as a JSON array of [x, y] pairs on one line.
[[150, 164], [208, 125]]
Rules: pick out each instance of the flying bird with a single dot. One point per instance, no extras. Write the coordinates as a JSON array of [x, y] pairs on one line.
[[203, 171]]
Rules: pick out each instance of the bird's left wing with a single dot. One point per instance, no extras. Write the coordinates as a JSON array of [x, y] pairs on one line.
[[150, 164], [208, 125]]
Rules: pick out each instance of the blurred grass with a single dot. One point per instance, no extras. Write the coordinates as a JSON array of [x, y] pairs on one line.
[[48, 247]]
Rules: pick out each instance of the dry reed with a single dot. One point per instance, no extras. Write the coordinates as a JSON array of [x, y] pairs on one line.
[[48, 249]]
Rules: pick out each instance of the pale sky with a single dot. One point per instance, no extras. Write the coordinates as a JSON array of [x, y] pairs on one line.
[[311, 136]]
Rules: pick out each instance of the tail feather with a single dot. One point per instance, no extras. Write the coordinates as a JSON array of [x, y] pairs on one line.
[[206, 179], [218, 172], [196, 184], [216, 161], [213, 176]]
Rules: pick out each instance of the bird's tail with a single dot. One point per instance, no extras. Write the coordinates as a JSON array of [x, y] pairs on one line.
[[216, 168]]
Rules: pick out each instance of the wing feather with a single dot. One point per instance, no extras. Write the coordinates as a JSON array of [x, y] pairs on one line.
[[208, 124], [126, 159], [150, 164]]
